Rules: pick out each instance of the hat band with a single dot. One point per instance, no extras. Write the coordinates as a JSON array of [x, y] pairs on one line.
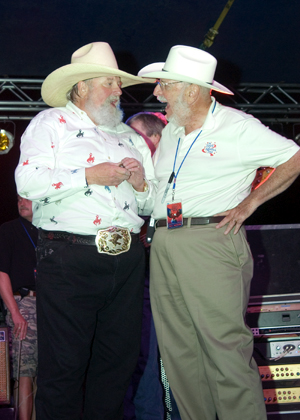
[[208, 83]]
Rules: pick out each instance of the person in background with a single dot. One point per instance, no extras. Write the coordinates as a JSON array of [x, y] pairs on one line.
[[149, 125], [201, 265], [18, 240], [90, 176], [144, 397]]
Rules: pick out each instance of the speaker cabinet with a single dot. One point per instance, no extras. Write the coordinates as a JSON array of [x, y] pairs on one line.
[[4, 367]]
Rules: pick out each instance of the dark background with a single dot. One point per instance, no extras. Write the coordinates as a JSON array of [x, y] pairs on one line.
[[258, 41]]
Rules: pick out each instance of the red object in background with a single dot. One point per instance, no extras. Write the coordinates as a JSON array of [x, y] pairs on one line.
[[262, 174]]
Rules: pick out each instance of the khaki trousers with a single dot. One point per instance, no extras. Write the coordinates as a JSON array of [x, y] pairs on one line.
[[199, 287]]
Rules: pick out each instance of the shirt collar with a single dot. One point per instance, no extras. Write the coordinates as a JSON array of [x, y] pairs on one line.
[[79, 112], [209, 120], [120, 128]]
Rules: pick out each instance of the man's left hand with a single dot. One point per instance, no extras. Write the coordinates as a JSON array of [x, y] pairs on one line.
[[236, 216], [137, 176]]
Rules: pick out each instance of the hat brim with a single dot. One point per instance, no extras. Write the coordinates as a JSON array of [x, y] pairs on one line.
[[56, 86], [156, 71]]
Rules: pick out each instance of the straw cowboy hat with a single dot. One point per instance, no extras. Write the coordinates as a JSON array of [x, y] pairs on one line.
[[186, 64], [92, 60]]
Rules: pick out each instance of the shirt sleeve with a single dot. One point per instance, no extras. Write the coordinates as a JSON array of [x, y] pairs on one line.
[[5, 250], [260, 147], [37, 175]]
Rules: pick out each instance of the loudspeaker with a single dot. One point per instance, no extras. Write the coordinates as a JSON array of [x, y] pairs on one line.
[[4, 367], [276, 254]]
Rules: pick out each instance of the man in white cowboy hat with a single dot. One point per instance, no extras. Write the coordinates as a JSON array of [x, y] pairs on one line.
[[201, 265], [89, 177]]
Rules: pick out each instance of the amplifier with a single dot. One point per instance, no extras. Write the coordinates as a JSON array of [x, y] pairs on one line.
[[280, 372], [275, 250], [4, 367], [267, 322], [278, 349]]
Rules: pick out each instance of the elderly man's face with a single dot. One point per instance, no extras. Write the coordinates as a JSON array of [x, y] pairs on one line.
[[25, 208], [102, 100], [172, 92], [102, 88]]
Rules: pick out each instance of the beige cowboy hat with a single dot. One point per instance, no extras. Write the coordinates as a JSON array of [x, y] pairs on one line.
[[186, 64], [92, 60]]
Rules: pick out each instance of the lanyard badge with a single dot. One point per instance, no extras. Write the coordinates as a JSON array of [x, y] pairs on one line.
[[174, 209], [174, 215]]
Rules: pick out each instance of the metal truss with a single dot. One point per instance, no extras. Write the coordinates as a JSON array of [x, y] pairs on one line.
[[277, 105]]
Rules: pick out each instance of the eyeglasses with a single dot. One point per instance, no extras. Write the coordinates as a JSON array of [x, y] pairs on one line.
[[165, 84]]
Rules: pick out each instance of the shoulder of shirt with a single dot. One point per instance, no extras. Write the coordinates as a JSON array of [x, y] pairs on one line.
[[50, 114], [232, 112], [10, 224]]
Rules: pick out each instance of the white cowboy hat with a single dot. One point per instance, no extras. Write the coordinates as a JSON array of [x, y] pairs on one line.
[[186, 64], [92, 60]]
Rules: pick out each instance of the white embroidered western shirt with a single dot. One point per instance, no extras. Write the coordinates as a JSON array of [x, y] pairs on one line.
[[56, 147]]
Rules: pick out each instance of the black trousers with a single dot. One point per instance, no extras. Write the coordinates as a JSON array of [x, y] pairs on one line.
[[89, 311]]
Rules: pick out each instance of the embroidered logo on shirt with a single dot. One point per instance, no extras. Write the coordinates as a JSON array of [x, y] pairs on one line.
[[62, 120], [45, 201], [91, 158], [97, 221], [80, 134], [130, 141], [25, 163], [210, 148], [107, 189], [53, 220], [74, 171], [120, 144], [58, 185], [126, 207]]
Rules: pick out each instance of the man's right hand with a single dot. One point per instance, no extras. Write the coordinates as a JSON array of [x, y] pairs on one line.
[[20, 325], [106, 173]]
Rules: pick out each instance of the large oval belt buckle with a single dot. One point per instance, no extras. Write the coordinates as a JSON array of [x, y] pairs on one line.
[[113, 240]]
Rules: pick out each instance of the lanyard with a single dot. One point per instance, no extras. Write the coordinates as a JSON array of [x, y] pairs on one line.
[[28, 234], [174, 176]]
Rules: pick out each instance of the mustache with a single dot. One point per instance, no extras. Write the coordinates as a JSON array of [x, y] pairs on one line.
[[161, 98], [113, 98]]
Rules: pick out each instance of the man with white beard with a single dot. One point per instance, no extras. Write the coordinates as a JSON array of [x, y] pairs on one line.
[[200, 264], [89, 177]]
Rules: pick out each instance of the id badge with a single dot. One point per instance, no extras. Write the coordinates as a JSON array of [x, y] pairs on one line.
[[174, 215]]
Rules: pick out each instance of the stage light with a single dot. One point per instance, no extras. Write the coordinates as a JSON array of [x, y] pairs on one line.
[[6, 141]]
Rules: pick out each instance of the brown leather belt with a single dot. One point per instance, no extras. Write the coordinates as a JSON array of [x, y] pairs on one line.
[[30, 293], [190, 221], [73, 238]]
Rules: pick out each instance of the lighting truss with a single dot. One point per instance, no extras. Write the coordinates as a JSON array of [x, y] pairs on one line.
[[271, 103]]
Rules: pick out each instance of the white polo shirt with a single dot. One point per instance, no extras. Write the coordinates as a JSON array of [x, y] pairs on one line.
[[218, 170]]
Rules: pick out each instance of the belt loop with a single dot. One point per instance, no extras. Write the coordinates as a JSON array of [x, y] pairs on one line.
[[188, 222]]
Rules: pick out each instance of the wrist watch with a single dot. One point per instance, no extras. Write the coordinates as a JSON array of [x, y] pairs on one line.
[[146, 186]]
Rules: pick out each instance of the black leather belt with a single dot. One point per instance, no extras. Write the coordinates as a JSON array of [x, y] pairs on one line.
[[73, 238], [194, 221]]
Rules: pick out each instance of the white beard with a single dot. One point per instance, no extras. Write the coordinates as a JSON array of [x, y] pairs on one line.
[[106, 114], [180, 112]]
